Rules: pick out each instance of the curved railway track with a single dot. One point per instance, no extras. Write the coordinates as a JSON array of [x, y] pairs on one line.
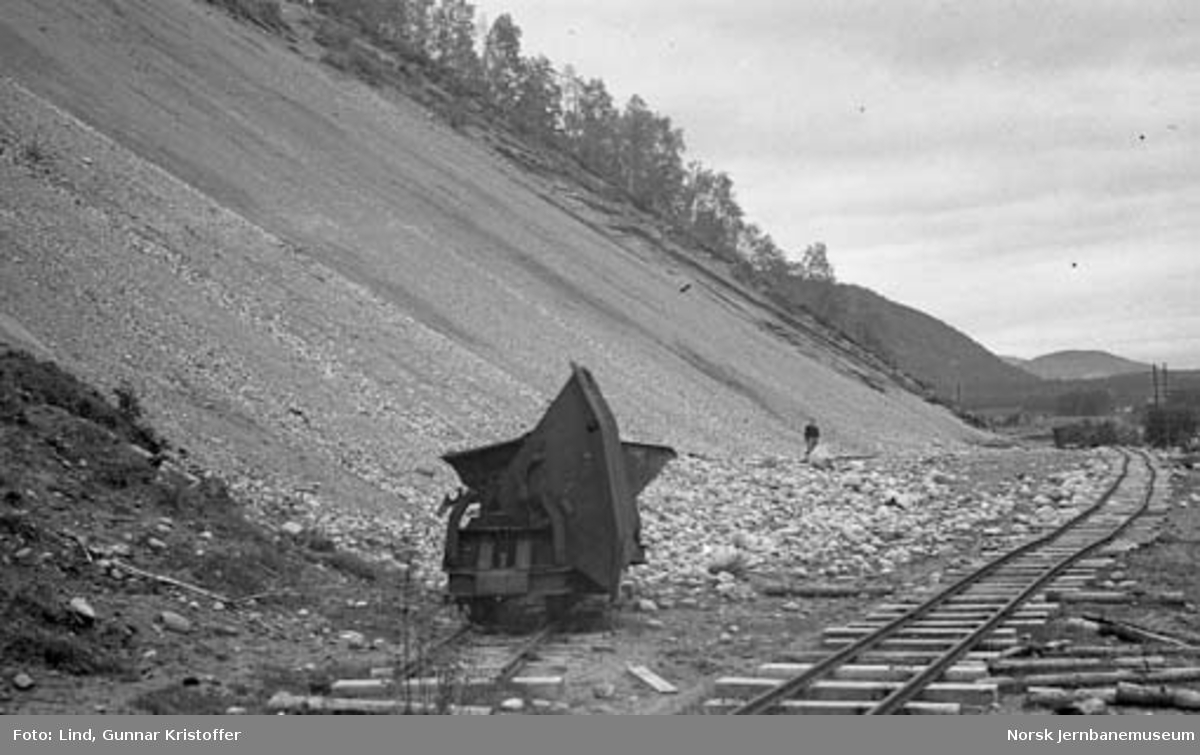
[[909, 657]]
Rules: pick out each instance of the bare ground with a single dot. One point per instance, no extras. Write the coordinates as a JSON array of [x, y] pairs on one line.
[[87, 487]]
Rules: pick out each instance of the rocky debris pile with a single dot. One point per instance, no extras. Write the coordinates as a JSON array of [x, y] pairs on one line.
[[711, 525], [405, 540]]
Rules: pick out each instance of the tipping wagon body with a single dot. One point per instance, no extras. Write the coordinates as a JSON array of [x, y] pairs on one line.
[[550, 516]]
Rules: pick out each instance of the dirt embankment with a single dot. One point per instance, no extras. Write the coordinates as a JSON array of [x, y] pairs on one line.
[[132, 581]]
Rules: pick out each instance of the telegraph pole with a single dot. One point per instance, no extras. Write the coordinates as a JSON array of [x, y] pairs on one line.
[[1166, 406]]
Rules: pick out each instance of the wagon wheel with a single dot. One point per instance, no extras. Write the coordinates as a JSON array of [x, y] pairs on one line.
[[558, 607], [483, 611]]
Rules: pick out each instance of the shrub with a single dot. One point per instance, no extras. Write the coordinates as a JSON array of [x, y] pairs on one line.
[[355, 566], [1087, 434], [359, 63], [1170, 426], [333, 35], [32, 152], [264, 13], [43, 382], [127, 403]]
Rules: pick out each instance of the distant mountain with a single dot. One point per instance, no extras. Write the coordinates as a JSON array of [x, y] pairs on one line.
[[953, 366], [1081, 365]]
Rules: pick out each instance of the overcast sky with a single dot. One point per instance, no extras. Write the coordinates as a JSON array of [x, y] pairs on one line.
[[1028, 172]]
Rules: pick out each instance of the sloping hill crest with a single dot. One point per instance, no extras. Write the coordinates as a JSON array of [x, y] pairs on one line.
[[950, 363], [1082, 365], [321, 287]]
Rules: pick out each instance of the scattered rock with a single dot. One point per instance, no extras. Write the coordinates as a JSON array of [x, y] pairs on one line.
[[711, 523], [83, 610], [553, 707], [727, 560], [174, 622], [604, 691], [1079, 624], [645, 605], [1092, 706], [512, 705], [23, 681], [156, 544], [354, 640], [292, 528]]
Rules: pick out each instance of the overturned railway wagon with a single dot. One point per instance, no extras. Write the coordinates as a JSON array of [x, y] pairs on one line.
[[549, 517]]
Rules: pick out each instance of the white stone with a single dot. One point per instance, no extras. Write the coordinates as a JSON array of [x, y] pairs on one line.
[[353, 639], [174, 622], [82, 609]]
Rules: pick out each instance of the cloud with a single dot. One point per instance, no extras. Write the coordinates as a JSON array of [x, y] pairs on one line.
[[953, 156], [945, 38]]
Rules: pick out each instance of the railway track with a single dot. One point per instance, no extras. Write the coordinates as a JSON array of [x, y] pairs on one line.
[[928, 655], [467, 672]]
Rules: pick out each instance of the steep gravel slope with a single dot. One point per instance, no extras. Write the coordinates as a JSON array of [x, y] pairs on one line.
[[318, 289]]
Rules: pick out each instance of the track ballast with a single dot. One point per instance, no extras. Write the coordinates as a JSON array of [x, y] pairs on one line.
[[928, 656]]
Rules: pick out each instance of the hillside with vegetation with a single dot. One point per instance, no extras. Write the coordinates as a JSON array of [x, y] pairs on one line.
[[950, 364], [323, 284], [630, 152]]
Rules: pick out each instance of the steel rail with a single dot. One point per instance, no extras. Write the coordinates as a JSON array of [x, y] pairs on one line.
[[418, 664], [768, 699], [901, 695], [523, 653], [504, 674]]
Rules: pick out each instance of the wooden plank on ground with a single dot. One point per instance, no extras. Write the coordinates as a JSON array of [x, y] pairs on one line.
[[1158, 696], [286, 702], [961, 672], [835, 707], [653, 680], [975, 694]]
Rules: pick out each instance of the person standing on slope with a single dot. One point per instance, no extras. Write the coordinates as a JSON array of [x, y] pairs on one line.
[[812, 436]]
